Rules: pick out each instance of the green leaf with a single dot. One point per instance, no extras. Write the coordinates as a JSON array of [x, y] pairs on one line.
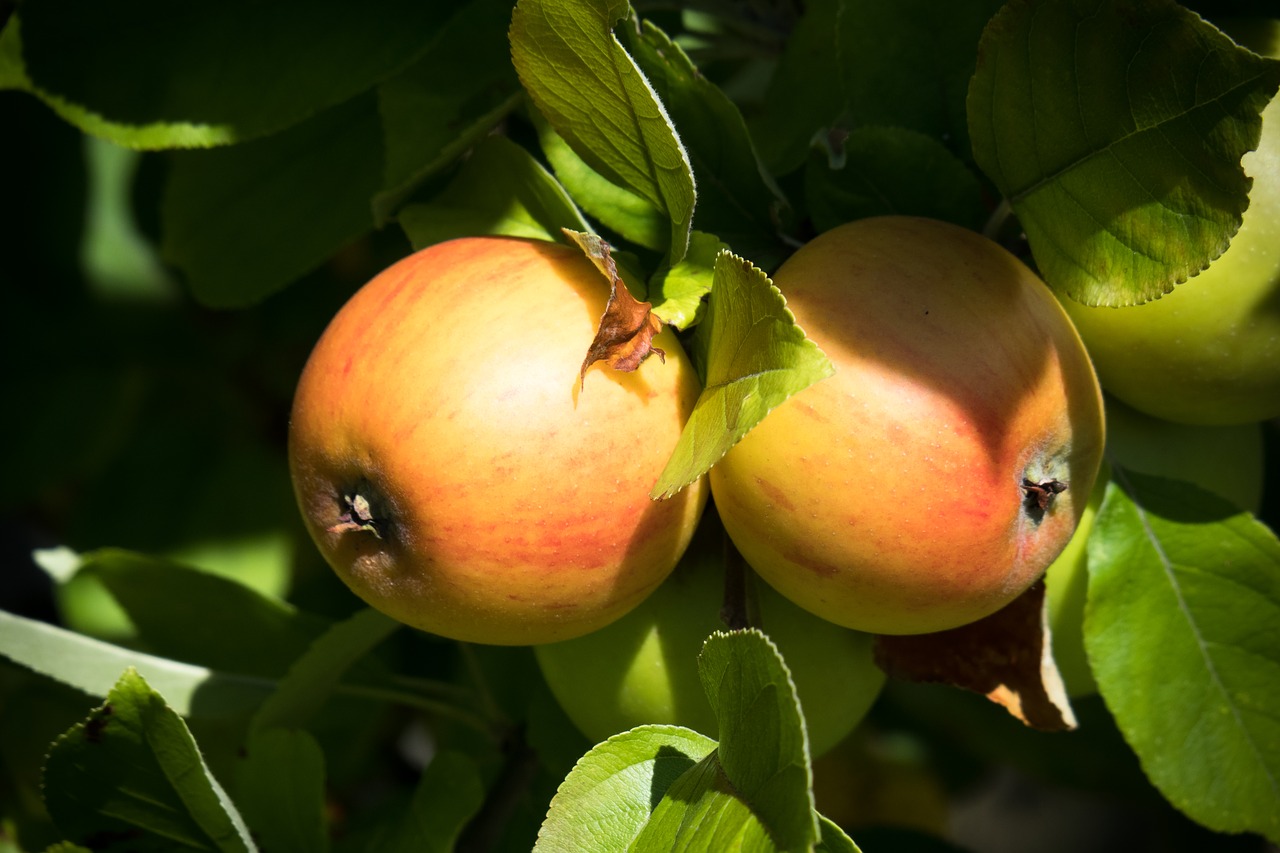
[[756, 358], [737, 200], [1115, 130], [764, 748], [243, 222], [501, 189], [834, 839], [316, 674], [597, 99], [280, 788], [608, 797], [147, 74], [132, 771], [202, 618], [890, 170], [882, 63], [1182, 630], [92, 666], [618, 209], [701, 811], [677, 293], [448, 795], [446, 101]]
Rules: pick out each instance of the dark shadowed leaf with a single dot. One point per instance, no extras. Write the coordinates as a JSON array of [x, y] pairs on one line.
[[149, 74], [878, 171], [243, 222], [131, 772], [280, 782], [448, 99]]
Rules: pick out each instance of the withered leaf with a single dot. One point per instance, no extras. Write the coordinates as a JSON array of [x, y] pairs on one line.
[[624, 338], [1006, 657]]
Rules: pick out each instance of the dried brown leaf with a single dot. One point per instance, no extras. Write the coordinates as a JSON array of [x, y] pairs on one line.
[[624, 338], [1006, 657]]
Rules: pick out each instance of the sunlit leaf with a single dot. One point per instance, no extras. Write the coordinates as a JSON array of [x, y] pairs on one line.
[[1115, 130], [92, 666], [609, 796], [596, 98], [1182, 629], [620, 210], [764, 749], [678, 293], [737, 200], [500, 190], [756, 358]]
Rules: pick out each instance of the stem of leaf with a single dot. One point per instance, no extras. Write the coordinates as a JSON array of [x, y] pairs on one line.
[[996, 221]]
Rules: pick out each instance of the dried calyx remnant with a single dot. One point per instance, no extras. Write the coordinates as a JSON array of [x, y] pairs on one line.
[[1038, 497], [357, 515]]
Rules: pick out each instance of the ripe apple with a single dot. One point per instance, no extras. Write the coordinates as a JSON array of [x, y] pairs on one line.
[[1225, 460], [1209, 352], [643, 668], [936, 475], [451, 471]]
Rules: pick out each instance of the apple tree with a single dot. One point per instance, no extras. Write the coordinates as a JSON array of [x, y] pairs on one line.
[[197, 190]]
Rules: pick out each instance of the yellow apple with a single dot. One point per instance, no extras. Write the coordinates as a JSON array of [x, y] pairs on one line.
[[945, 465], [643, 668], [452, 472], [1209, 352]]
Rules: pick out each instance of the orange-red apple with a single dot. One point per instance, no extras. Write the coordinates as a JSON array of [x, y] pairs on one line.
[[945, 465], [452, 472]]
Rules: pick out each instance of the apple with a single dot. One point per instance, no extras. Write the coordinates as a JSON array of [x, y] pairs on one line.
[[643, 668], [936, 475], [452, 471], [1208, 352], [1225, 460]]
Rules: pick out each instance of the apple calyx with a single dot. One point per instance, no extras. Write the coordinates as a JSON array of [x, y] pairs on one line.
[[1039, 496], [358, 516]]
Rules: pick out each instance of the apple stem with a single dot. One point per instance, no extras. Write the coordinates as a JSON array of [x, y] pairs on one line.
[[1039, 496], [359, 516], [740, 608]]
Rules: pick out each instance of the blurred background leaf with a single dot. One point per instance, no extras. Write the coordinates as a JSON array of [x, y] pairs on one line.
[[231, 71]]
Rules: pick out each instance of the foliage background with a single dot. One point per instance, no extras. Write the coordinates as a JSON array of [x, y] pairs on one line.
[[143, 419]]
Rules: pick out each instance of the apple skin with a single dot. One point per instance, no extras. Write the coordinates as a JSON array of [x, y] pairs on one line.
[[889, 497], [1225, 460], [643, 668], [1208, 352], [511, 507]]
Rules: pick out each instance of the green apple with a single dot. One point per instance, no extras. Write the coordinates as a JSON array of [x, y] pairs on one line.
[[453, 472], [1225, 460], [945, 465], [643, 668], [1209, 352]]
